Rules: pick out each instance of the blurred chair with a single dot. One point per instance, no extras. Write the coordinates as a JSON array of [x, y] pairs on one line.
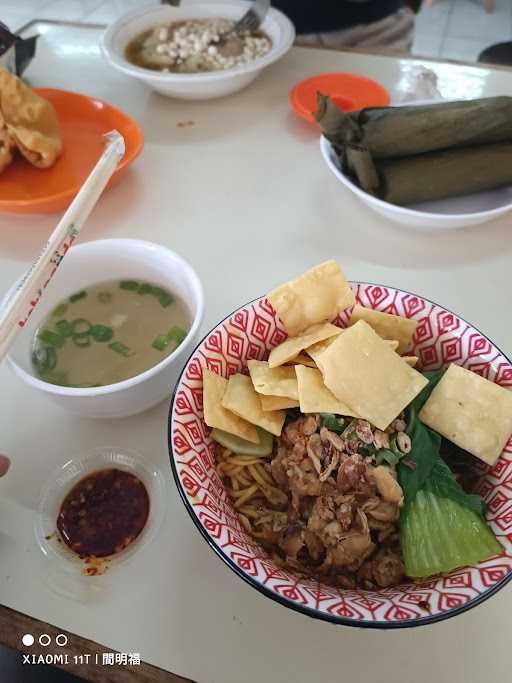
[[501, 53]]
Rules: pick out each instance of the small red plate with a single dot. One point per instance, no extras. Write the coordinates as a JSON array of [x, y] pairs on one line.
[[349, 91], [83, 120]]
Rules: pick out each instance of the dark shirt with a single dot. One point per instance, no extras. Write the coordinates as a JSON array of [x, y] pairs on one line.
[[320, 16]]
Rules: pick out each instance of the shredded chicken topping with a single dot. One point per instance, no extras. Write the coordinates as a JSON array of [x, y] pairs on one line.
[[337, 515]]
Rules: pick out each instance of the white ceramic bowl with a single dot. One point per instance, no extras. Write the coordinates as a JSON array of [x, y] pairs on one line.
[[92, 262], [444, 214], [200, 86]]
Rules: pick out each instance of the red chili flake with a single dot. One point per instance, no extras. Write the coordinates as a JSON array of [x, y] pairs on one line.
[[103, 513], [409, 463]]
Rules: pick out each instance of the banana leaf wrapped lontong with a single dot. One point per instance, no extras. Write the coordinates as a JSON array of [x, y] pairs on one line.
[[412, 154]]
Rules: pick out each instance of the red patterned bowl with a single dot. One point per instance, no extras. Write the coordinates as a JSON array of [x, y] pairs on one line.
[[441, 337]]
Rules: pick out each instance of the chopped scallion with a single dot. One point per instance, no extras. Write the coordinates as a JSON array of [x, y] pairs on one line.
[[157, 291], [64, 328], [120, 348], [81, 326], [165, 299], [160, 343], [82, 339], [44, 359], [333, 423], [176, 334], [394, 446], [101, 333], [129, 284], [76, 297], [60, 310], [144, 288], [51, 338]]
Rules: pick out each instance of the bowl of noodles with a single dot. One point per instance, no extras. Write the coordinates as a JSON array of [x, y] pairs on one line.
[[345, 449]]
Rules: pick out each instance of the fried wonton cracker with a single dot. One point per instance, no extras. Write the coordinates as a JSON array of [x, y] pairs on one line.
[[386, 325], [269, 403], [293, 345], [302, 359], [30, 120], [362, 371], [316, 296], [315, 397], [242, 399], [316, 350], [471, 411], [7, 149], [280, 381], [215, 415]]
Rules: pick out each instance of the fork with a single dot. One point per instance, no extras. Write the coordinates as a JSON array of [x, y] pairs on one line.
[[252, 19]]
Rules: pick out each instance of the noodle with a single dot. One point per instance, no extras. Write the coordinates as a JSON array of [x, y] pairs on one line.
[[247, 480], [256, 474], [246, 495]]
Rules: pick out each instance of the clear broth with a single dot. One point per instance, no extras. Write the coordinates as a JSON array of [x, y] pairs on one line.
[[108, 333]]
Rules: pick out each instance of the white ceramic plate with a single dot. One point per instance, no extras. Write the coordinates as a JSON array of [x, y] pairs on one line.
[[444, 214]]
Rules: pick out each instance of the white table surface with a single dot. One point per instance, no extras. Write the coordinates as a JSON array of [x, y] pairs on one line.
[[244, 195]]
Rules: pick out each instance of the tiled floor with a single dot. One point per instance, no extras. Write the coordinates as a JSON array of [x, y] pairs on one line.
[[461, 29], [452, 29]]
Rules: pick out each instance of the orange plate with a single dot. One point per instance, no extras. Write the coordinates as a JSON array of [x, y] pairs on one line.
[[83, 120], [349, 91]]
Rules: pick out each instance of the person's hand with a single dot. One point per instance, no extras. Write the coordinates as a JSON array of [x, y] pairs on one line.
[[4, 464]]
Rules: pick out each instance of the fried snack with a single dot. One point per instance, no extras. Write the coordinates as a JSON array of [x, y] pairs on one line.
[[471, 411], [317, 296], [242, 399], [294, 345], [387, 326], [7, 149], [30, 120], [363, 372]]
